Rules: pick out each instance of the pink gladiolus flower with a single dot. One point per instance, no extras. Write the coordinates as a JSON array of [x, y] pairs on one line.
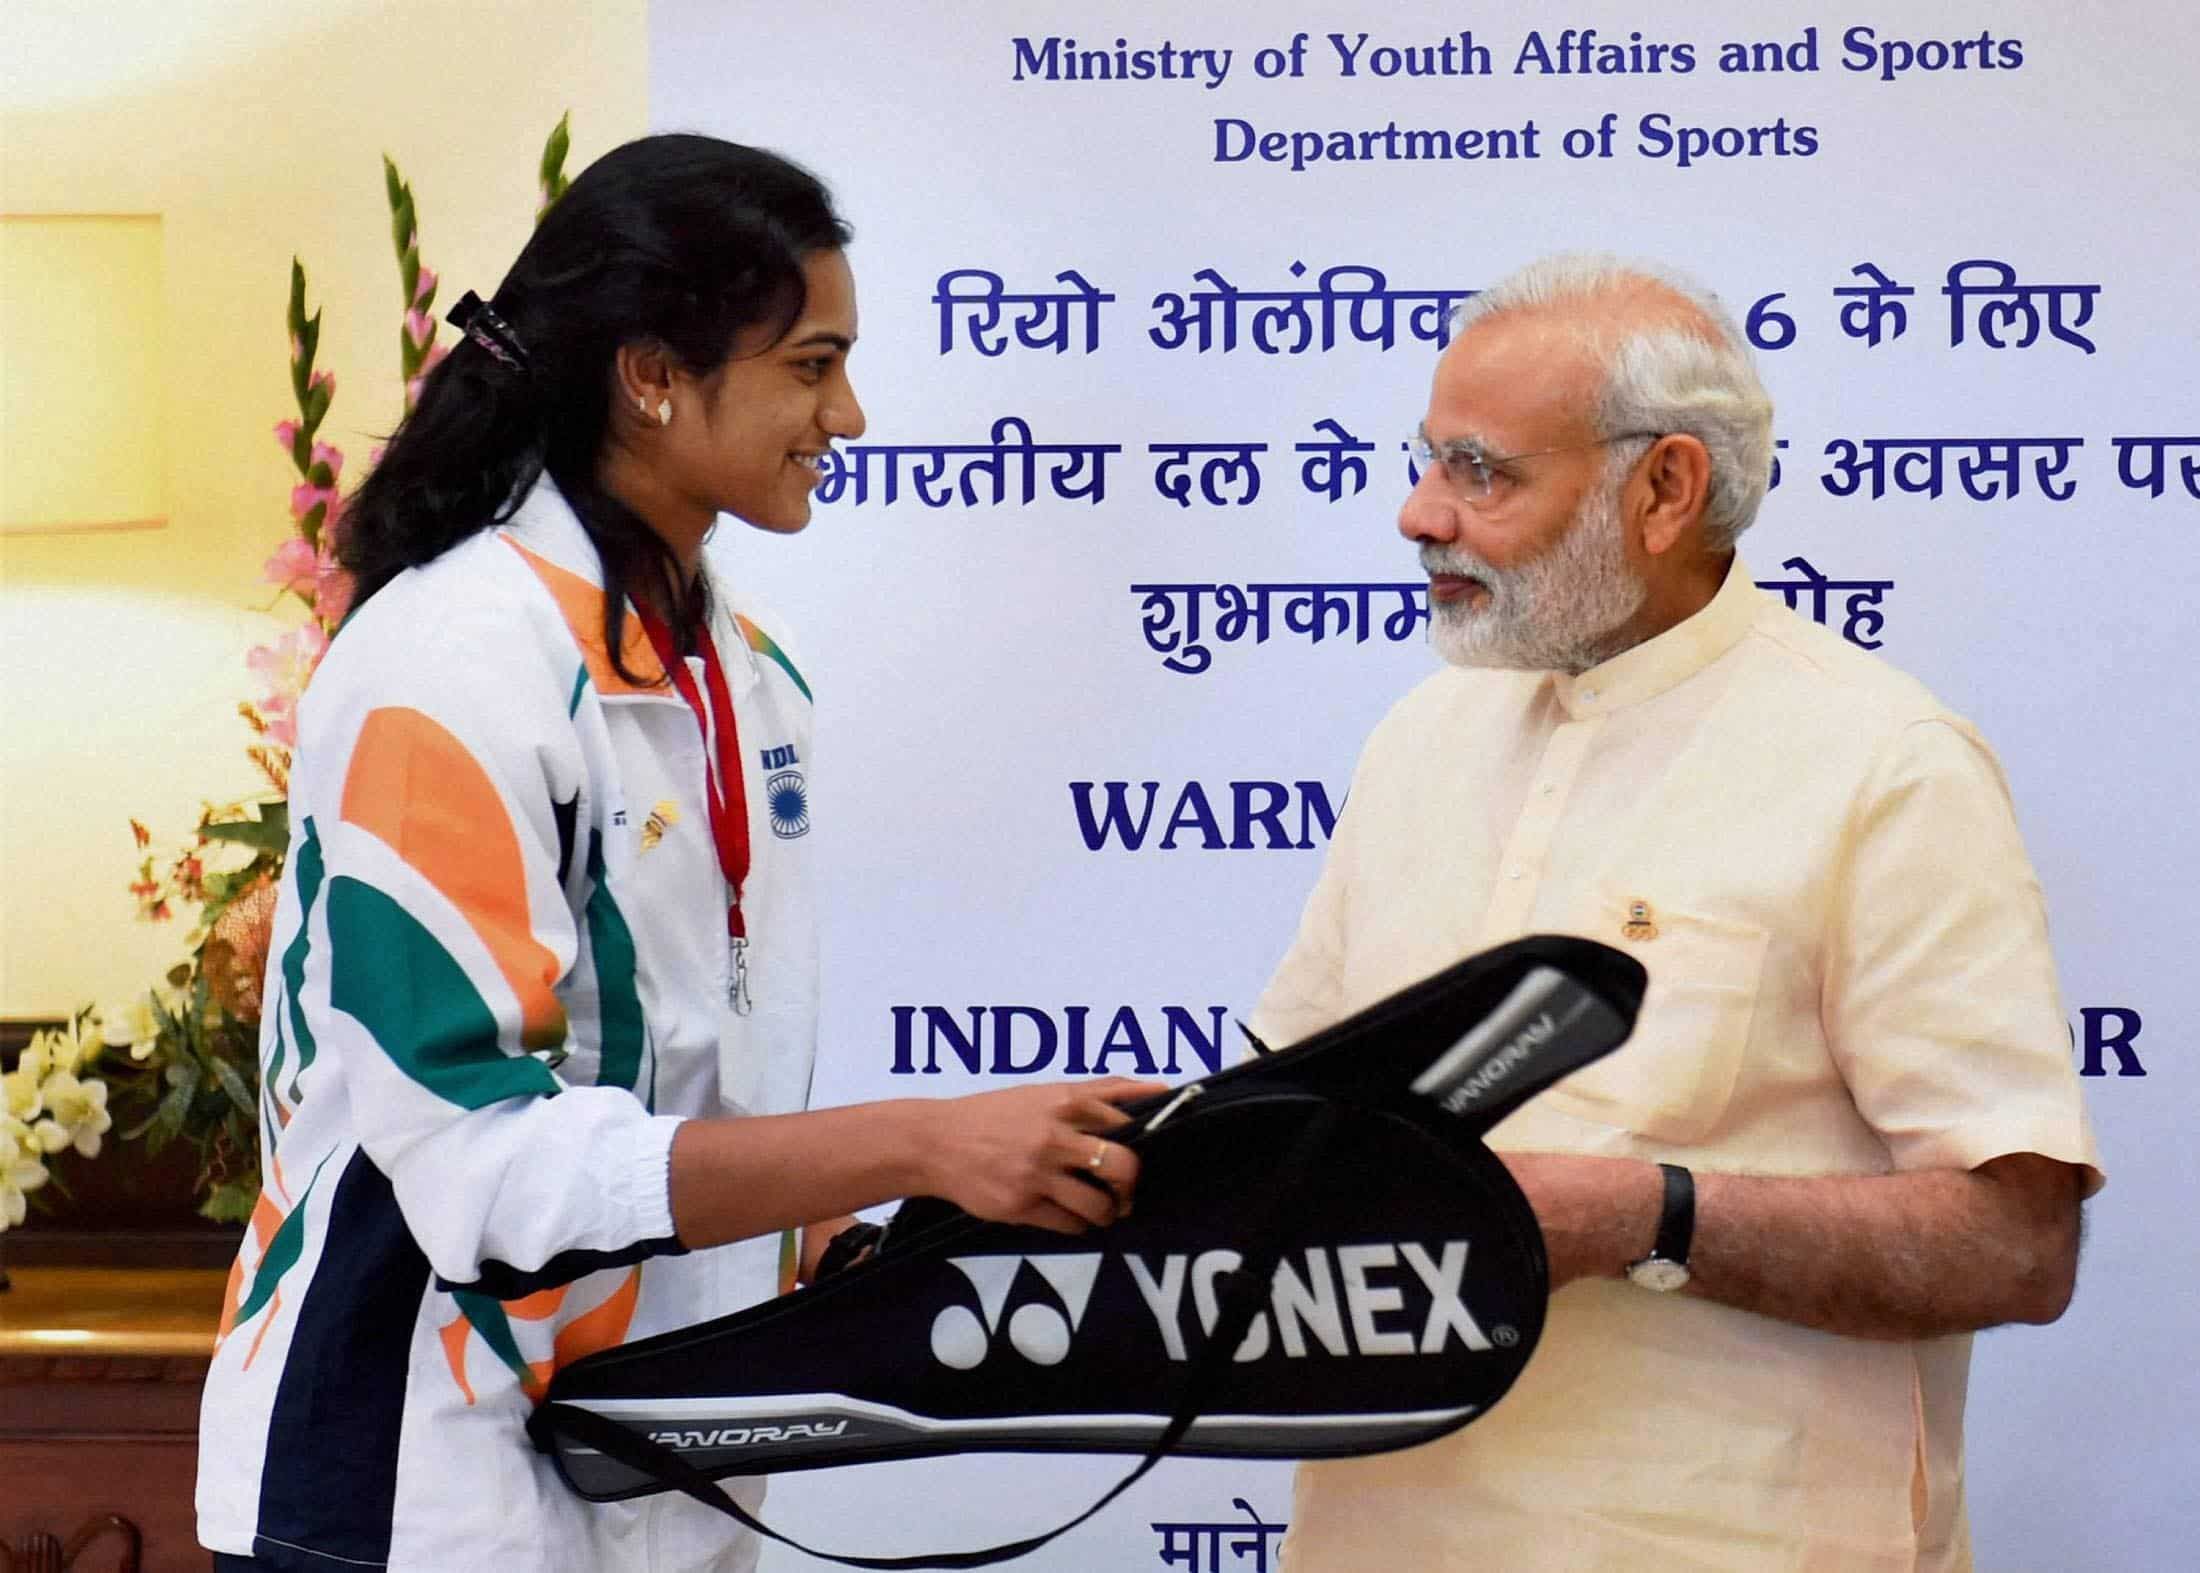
[[332, 586], [424, 288], [286, 666], [413, 385], [419, 327], [322, 379], [333, 604], [286, 433], [329, 454], [297, 349], [294, 567], [279, 724], [306, 496]]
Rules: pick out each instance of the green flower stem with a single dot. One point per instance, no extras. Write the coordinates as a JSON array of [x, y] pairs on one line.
[[551, 176]]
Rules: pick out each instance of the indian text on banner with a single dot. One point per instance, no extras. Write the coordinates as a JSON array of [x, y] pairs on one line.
[[1183, 621]]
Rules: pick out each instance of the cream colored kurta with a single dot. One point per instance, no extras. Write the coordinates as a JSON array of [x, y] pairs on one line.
[[1849, 974]]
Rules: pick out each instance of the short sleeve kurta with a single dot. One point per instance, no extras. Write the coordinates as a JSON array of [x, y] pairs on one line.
[[1820, 868]]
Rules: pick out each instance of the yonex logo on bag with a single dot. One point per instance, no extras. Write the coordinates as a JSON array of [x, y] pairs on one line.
[[961, 1337], [1306, 1309], [1377, 1299]]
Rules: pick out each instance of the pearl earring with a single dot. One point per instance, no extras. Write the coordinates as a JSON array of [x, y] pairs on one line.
[[664, 412]]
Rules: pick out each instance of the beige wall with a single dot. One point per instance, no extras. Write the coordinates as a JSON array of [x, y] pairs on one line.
[[255, 128]]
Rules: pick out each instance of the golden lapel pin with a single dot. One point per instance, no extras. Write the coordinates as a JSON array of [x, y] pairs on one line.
[[661, 819], [1640, 923]]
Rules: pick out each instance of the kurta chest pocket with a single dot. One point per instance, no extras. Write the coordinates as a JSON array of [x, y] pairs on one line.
[[1676, 1076]]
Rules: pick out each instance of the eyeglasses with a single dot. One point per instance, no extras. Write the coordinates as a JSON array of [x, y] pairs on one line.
[[1475, 473]]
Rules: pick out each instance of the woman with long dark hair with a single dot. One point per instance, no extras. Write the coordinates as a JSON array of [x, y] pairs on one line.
[[542, 994]]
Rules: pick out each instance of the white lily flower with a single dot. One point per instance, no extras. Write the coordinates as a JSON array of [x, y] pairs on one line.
[[38, 1056], [116, 1024], [134, 1026], [19, 1091], [79, 1107], [85, 1042], [19, 1176]]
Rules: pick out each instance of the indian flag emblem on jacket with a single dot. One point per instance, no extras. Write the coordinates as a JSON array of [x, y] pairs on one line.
[[789, 798]]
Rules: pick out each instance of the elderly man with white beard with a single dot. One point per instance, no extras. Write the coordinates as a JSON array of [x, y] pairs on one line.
[[1846, 1134]]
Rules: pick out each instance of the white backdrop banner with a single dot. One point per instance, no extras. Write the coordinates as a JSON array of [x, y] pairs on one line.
[[1101, 607]]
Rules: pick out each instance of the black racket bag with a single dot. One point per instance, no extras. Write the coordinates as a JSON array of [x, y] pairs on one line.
[[1323, 1260]]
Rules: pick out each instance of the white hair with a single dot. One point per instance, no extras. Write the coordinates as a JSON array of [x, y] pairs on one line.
[[1664, 375]]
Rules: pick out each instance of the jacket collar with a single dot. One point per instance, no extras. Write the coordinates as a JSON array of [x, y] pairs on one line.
[[545, 527]]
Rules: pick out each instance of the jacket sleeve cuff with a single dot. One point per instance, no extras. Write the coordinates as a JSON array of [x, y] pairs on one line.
[[641, 1178]]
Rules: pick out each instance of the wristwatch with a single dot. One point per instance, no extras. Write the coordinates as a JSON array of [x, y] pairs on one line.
[[1666, 1267]]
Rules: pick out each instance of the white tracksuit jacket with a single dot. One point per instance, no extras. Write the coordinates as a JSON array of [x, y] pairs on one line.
[[497, 984]]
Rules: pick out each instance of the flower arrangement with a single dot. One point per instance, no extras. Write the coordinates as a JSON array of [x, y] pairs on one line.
[[191, 1070], [49, 1103]]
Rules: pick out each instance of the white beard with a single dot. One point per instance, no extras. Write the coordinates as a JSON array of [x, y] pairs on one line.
[[1562, 612]]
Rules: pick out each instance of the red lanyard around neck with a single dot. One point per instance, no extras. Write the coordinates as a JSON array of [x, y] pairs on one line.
[[723, 786]]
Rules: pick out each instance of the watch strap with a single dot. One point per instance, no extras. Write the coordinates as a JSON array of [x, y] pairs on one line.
[[1677, 1218]]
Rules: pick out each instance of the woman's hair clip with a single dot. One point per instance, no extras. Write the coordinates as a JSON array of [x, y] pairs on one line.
[[479, 321]]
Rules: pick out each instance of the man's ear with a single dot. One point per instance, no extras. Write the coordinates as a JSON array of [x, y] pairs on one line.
[[1670, 490]]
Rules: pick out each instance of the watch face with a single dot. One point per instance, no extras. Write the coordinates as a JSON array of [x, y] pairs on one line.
[[1657, 1273]]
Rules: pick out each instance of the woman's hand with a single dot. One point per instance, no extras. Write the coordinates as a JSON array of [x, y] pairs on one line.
[[1025, 1155], [815, 1238], [1031, 1155]]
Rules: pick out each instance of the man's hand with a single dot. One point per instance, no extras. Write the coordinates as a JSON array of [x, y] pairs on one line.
[[1912, 1255], [1597, 1214]]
